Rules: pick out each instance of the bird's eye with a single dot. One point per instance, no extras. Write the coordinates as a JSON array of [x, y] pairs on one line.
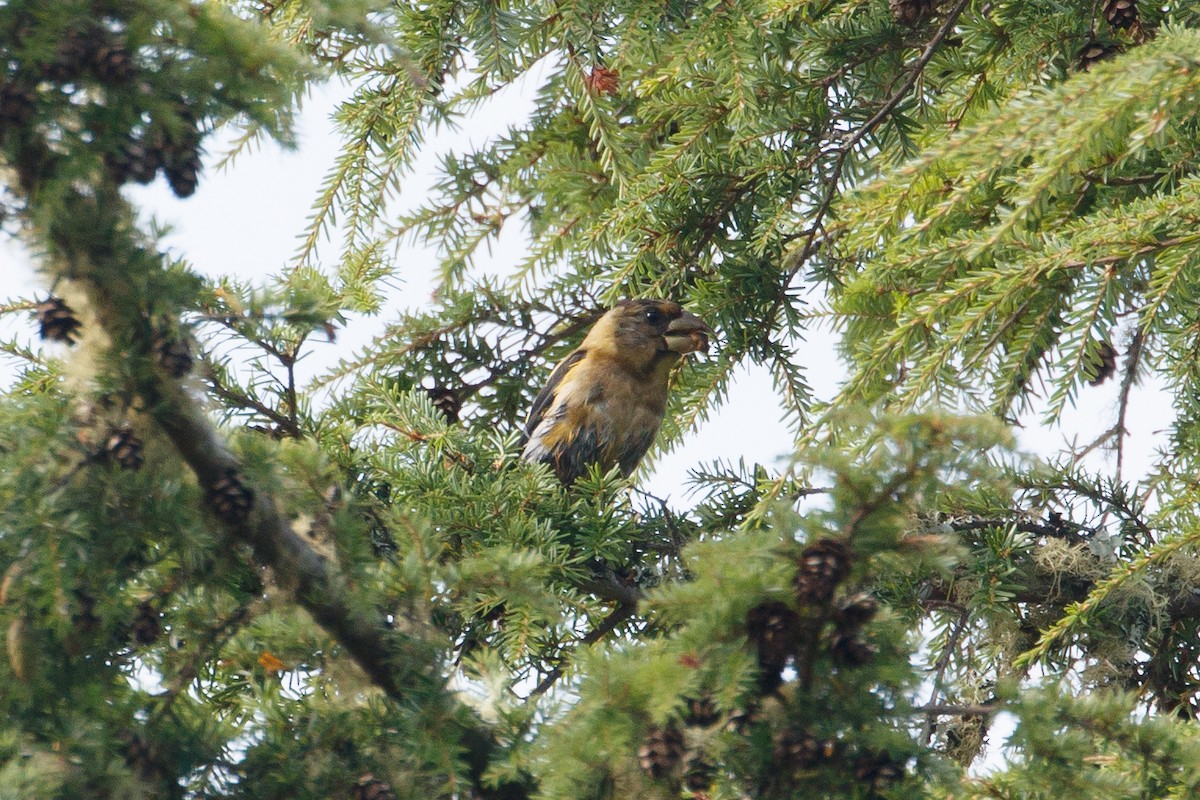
[[654, 316]]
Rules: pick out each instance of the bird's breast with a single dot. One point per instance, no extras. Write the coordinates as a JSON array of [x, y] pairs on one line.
[[620, 413]]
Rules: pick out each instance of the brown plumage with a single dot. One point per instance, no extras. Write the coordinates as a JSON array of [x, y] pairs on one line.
[[605, 401]]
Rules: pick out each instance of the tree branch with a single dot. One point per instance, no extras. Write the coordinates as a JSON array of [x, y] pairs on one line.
[[91, 240], [793, 264]]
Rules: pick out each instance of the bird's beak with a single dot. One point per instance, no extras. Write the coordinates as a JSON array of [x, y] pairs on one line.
[[687, 334]]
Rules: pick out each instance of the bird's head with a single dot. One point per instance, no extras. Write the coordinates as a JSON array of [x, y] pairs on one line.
[[646, 333]]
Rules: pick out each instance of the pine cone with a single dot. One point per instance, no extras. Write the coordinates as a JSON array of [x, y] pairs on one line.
[[132, 162], [877, 770], [173, 355], [851, 651], [84, 616], [855, 611], [182, 168], [230, 499], [697, 771], [774, 629], [72, 55], [912, 12], [124, 448], [371, 788], [57, 320], [445, 401], [1121, 14], [701, 712], [661, 750], [1094, 52], [602, 80], [17, 104], [140, 755], [800, 749], [1100, 363], [822, 565], [112, 63], [147, 625]]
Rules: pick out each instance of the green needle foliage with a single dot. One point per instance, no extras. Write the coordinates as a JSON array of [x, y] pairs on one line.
[[225, 576]]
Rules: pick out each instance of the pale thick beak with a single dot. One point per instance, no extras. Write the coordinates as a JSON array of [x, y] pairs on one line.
[[687, 334]]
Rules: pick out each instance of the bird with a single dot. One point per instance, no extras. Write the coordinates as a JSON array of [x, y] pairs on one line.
[[604, 403]]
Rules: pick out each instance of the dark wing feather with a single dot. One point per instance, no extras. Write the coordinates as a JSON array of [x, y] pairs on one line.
[[545, 397]]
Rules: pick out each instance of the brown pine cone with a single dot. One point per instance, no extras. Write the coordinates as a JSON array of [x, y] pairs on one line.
[[371, 788], [1121, 14], [701, 712], [445, 401], [57, 320], [124, 448], [230, 498], [112, 63], [822, 566], [1100, 363], [147, 625], [774, 630], [182, 169], [851, 651], [17, 104], [70, 58], [698, 771], [1094, 52], [855, 611], [912, 12], [661, 750], [173, 355]]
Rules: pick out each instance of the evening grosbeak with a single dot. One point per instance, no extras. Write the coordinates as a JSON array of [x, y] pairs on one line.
[[604, 402]]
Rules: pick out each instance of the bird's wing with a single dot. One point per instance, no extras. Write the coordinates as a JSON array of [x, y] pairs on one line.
[[545, 398]]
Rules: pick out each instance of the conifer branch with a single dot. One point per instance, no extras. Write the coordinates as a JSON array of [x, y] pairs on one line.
[[405, 668], [812, 239]]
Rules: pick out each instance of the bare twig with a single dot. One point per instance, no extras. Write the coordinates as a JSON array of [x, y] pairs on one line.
[[610, 623], [940, 667], [954, 710]]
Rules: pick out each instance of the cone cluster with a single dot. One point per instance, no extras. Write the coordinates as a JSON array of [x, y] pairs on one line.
[[665, 754], [877, 771], [139, 159], [800, 749], [777, 631], [95, 51]]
